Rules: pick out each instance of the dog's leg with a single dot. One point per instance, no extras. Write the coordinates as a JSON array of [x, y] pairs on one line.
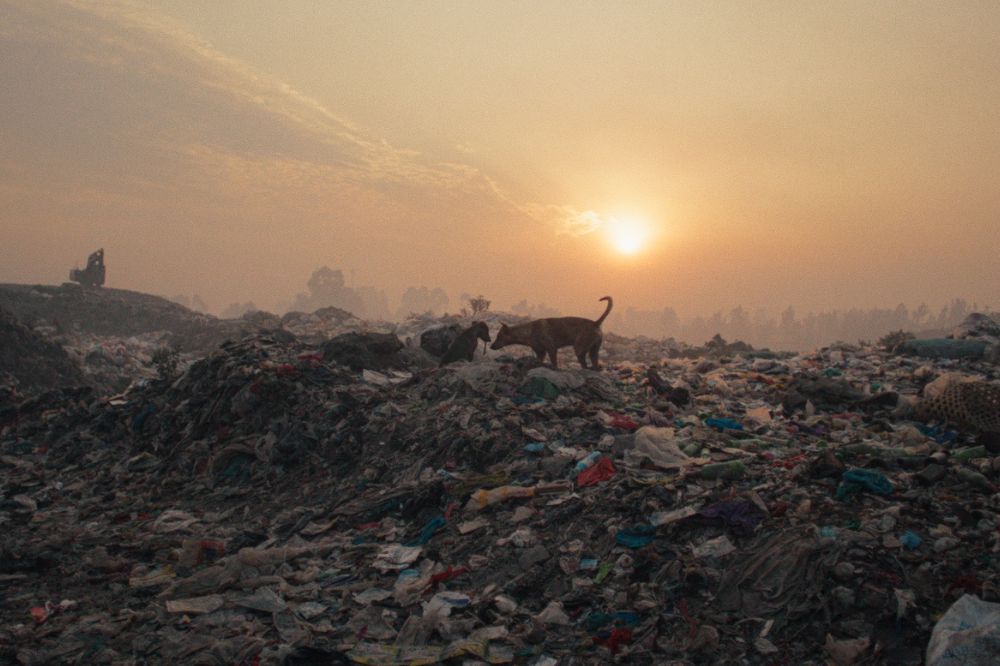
[[553, 352], [581, 346], [585, 344], [595, 350]]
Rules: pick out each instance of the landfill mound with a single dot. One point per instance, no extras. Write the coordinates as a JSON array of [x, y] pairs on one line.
[[113, 335], [282, 502], [30, 363], [73, 309]]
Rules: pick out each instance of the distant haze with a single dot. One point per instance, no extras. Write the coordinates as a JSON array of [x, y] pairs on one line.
[[685, 155]]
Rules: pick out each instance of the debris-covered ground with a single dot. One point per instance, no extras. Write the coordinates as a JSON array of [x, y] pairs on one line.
[[301, 500], [29, 360]]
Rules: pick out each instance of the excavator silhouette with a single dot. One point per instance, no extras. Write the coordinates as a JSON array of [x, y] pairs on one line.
[[93, 274]]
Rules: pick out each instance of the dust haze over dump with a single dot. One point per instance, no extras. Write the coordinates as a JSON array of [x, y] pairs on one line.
[[800, 172]]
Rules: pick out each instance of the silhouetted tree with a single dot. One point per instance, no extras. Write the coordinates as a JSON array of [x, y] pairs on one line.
[[479, 304], [328, 288], [422, 299]]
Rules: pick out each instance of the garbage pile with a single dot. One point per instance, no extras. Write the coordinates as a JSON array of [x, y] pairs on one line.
[[285, 502], [977, 337], [29, 362], [322, 324], [69, 310]]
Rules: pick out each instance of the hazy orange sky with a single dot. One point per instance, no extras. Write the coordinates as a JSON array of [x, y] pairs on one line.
[[816, 154]]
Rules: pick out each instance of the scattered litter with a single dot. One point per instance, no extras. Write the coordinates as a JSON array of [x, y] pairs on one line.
[[321, 491]]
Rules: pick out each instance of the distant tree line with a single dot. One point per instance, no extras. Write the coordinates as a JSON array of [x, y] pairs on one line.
[[786, 330], [327, 287], [789, 330]]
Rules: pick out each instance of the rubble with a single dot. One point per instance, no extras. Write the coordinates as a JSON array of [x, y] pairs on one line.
[[291, 499]]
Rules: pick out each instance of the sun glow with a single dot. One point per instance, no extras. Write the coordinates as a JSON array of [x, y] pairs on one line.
[[628, 234]]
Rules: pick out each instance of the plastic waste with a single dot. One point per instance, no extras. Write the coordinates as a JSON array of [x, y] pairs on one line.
[[910, 540], [432, 526], [277, 504], [729, 471], [858, 480], [658, 445], [636, 536], [601, 471], [944, 348], [970, 453], [483, 498], [967, 635], [723, 424], [586, 462]]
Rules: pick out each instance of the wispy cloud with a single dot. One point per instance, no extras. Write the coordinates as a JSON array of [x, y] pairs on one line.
[[566, 220], [208, 112], [203, 96]]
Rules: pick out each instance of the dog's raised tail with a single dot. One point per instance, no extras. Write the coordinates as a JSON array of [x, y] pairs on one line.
[[606, 310]]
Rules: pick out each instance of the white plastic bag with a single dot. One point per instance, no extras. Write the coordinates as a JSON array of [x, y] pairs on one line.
[[967, 635]]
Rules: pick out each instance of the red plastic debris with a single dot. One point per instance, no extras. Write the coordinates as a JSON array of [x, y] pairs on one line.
[[789, 462], [619, 636], [287, 370], [602, 470], [448, 573], [623, 422], [41, 613]]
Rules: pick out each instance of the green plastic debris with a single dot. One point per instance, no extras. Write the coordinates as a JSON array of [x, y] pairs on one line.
[[729, 471]]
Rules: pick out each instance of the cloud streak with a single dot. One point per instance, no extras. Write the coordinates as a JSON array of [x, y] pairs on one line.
[[189, 166], [566, 220], [122, 39]]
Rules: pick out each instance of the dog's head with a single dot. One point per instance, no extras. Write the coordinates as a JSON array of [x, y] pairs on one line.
[[482, 331], [503, 338]]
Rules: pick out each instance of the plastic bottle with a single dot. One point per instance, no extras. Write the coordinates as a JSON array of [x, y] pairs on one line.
[[970, 453], [589, 461]]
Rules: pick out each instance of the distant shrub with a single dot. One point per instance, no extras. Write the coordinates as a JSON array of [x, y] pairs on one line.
[[891, 340], [479, 304]]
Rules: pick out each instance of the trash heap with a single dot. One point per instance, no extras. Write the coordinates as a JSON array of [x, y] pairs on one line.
[[284, 502], [320, 325], [30, 362], [69, 310]]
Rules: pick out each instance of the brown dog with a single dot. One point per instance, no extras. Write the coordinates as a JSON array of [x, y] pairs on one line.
[[546, 336], [464, 345]]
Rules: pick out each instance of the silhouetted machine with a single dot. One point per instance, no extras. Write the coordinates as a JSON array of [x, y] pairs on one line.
[[93, 274]]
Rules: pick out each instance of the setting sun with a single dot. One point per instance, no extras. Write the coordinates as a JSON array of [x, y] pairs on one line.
[[628, 234]]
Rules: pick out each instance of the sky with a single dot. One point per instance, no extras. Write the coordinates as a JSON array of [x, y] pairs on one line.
[[693, 155]]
